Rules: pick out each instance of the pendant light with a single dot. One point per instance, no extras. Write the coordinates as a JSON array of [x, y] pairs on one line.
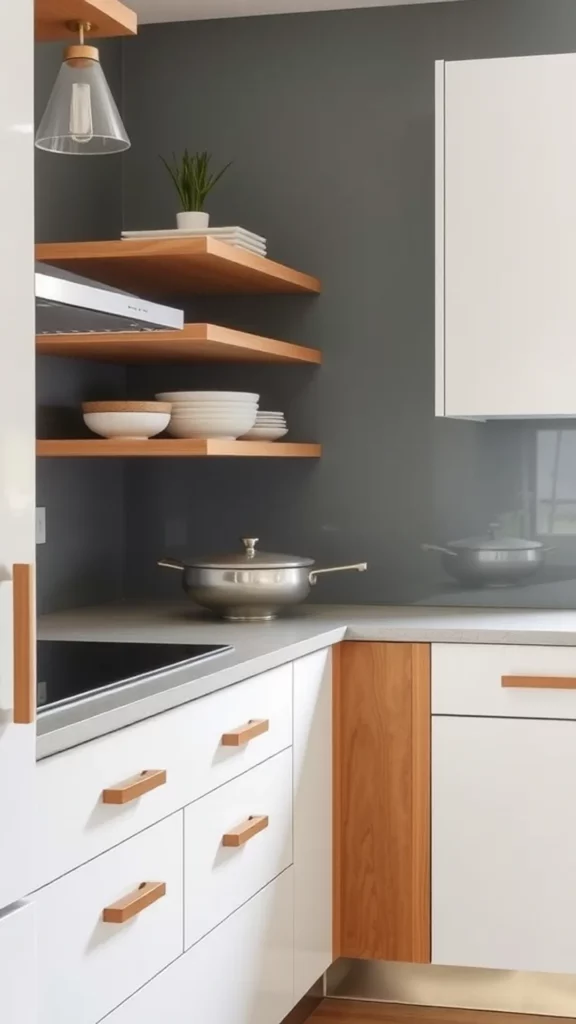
[[81, 118]]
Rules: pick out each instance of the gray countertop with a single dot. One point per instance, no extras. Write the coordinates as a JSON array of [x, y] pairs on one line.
[[258, 647]]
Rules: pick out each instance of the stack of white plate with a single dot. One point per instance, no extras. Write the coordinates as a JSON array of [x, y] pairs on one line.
[[208, 414], [269, 426], [240, 237]]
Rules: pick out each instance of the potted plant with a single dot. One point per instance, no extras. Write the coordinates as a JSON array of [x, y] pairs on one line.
[[193, 181]]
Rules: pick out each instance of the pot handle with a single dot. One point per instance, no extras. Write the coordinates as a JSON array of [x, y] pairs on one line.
[[313, 576], [171, 563], [436, 547]]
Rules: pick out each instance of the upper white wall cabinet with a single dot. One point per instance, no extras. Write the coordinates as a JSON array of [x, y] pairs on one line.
[[506, 237]]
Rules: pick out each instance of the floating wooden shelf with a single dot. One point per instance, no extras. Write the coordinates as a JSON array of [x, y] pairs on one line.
[[176, 266], [107, 18], [171, 447], [195, 343]]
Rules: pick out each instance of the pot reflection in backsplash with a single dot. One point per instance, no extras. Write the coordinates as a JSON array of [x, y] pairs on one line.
[[527, 556]]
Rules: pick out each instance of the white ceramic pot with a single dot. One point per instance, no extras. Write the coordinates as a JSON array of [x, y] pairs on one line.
[[192, 220]]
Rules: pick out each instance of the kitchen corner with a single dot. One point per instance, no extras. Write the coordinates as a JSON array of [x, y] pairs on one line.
[[318, 297], [258, 647]]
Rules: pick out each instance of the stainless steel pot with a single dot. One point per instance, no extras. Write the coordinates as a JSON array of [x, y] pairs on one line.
[[491, 560], [251, 586]]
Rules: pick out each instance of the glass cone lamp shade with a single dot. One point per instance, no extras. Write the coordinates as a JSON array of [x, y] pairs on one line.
[[81, 118]]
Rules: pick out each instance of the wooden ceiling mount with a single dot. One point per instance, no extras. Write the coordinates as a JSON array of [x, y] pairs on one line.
[[57, 19]]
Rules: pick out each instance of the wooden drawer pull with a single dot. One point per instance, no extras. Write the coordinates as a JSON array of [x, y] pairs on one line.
[[132, 788], [247, 830], [540, 682], [24, 615], [237, 737], [134, 903]]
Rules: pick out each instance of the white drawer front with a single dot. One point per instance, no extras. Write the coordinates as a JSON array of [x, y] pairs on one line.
[[75, 825], [241, 973], [88, 966], [467, 679], [220, 878], [18, 965]]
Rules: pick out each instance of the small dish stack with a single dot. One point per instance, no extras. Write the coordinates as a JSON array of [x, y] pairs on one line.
[[268, 426], [211, 414]]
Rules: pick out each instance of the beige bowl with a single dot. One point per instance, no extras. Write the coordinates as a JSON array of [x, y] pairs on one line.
[[126, 425], [127, 406]]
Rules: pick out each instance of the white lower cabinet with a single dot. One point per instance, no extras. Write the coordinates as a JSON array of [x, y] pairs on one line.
[[241, 973], [312, 819], [87, 964], [504, 843], [254, 810], [17, 965], [73, 823]]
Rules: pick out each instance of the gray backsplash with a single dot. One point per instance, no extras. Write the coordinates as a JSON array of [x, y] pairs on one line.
[[329, 119]]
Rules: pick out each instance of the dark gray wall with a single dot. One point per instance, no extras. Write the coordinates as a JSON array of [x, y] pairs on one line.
[[83, 559], [329, 119]]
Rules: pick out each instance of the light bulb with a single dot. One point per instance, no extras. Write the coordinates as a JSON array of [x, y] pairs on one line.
[[81, 128]]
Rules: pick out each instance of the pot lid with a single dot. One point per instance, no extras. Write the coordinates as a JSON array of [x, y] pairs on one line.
[[250, 557], [492, 542]]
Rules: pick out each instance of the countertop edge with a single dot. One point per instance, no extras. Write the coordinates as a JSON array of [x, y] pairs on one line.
[[257, 649], [57, 740]]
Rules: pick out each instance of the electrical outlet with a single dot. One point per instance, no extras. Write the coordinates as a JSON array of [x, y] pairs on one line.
[[40, 525]]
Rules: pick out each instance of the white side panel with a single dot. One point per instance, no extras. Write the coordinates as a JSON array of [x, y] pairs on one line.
[[241, 973], [312, 819], [503, 844], [17, 426], [17, 965], [440, 185], [510, 217]]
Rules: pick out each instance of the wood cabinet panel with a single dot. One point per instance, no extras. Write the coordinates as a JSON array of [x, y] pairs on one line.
[[382, 802]]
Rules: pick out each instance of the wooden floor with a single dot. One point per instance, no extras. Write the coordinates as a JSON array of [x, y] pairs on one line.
[[347, 1011]]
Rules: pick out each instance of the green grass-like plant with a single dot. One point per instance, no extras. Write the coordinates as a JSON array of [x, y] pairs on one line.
[[192, 177]]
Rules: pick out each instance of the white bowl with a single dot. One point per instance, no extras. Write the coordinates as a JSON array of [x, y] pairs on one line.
[[223, 410], [270, 419], [266, 412], [242, 415], [265, 434], [130, 426], [207, 396], [225, 429]]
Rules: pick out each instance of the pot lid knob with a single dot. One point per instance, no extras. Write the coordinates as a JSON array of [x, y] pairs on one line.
[[250, 545]]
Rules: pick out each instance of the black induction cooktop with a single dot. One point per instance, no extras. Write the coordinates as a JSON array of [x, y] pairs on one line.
[[69, 670]]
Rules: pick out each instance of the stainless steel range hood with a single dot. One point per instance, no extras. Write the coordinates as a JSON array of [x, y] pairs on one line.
[[67, 304]]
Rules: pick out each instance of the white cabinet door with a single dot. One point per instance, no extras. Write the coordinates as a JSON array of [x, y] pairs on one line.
[[241, 973], [504, 843], [89, 963], [219, 878], [17, 429], [506, 219], [312, 819], [17, 965]]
